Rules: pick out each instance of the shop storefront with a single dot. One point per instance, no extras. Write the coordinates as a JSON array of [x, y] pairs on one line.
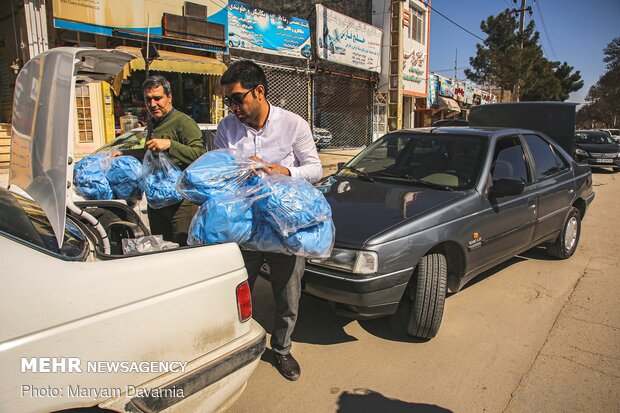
[[194, 80]]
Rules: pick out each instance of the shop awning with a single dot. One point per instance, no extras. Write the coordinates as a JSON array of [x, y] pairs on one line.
[[449, 104], [171, 62]]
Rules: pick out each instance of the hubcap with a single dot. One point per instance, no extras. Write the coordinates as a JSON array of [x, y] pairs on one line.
[[570, 235]]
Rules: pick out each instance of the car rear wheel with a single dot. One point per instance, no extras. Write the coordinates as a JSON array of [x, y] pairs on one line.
[[566, 243], [423, 302]]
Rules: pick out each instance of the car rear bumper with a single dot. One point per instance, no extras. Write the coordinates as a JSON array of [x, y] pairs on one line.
[[214, 382], [357, 296]]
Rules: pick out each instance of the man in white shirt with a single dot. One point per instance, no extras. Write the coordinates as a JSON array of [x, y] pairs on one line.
[[282, 141]]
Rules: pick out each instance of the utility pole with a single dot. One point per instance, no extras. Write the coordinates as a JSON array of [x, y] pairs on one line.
[[521, 12], [456, 58]]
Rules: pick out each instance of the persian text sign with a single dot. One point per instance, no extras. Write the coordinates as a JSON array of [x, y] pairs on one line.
[[259, 30], [347, 41], [100, 16]]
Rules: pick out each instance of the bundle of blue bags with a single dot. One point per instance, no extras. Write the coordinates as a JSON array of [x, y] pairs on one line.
[[100, 177], [273, 213], [160, 176]]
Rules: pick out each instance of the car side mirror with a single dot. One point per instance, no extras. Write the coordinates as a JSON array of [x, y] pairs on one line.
[[341, 165], [506, 187]]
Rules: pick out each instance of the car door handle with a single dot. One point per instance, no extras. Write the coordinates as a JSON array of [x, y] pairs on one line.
[[531, 203]]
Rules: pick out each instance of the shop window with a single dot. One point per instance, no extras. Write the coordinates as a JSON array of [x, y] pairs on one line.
[[417, 24], [84, 117]]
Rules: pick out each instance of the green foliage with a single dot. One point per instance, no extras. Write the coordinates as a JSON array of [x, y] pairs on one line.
[[602, 109], [515, 61]]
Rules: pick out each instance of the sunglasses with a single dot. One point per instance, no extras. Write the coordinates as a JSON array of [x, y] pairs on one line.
[[237, 98]]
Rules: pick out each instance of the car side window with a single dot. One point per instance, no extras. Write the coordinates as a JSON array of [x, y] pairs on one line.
[[509, 160], [544, 158]]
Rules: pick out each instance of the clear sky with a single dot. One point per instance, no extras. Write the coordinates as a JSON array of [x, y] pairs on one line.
[[575, 31]]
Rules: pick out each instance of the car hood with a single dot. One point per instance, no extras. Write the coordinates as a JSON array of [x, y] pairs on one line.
[[600, 147], [42, 133], [362, 210]]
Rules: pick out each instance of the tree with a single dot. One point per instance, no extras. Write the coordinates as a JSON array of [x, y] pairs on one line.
[[501, 61], [602, 109]]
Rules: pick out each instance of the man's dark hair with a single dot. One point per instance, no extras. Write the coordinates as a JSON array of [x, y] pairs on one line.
[[246, 72], [156, 81]]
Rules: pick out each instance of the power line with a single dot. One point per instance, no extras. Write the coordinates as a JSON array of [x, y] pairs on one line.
[[449, 70], [453, 22], [542, 20]]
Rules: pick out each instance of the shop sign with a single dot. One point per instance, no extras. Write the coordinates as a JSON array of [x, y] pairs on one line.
[[485, 98], [414, 66], [347, 41], [433, 88], [469, 93], [459, 91], [259, 30], [446, 87], [103, 16]]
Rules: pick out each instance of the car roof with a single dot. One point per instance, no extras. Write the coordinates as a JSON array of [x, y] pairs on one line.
[[482, 131]]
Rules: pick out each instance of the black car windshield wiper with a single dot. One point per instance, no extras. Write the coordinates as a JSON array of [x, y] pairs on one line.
[[420, 182], [361, 174]]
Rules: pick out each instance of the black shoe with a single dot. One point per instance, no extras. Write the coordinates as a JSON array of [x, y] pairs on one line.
[[288, 366]]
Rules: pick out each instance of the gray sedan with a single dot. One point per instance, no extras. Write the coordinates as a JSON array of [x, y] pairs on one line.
[[420, 212]]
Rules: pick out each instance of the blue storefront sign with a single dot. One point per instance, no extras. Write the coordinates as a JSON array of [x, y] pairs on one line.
[[259, 30]]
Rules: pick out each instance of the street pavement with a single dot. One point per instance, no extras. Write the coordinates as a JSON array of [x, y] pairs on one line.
[[533, 335]]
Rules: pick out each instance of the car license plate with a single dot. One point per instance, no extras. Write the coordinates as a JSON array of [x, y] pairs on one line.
[[605, 160]]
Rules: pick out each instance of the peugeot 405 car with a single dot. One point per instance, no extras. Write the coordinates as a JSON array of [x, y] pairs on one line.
[[85, 325], [422, 211]]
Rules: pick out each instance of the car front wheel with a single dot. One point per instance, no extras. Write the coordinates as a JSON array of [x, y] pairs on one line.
[[423, 302], [566, 243]]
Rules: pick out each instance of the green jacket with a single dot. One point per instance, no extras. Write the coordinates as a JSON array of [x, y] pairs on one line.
[[186, 137]]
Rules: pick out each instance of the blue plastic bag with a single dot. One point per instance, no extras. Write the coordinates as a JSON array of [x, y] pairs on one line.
[[292, 204], [222, 219], [215, 173], [316, 241], [265, 238], [89, 177], [125, 176], [160, 178]]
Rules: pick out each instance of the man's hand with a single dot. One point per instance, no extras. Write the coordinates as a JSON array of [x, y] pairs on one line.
[[158, 144], [272, 168], [117, 153]]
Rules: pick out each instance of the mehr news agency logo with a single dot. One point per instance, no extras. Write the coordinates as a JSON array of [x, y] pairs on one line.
[[57, 365]]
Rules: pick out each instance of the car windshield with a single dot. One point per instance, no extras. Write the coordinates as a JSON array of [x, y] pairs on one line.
[[129, 140], [596, 138], [442, 161]]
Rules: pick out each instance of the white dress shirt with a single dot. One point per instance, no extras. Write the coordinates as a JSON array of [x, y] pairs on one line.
[[285, 139]]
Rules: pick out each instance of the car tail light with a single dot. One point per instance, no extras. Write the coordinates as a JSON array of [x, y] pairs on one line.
[[244, 301]]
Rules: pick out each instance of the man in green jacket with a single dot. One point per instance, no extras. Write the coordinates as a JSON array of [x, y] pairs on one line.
[[176, 133]]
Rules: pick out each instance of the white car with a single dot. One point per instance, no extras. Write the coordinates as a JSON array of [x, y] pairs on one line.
[[614, 133], [82, 324]]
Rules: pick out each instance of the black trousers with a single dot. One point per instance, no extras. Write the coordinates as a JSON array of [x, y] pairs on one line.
[[285, 276], [172, 222]]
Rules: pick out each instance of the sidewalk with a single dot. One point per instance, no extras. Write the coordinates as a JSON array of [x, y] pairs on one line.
[[331, 158]]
